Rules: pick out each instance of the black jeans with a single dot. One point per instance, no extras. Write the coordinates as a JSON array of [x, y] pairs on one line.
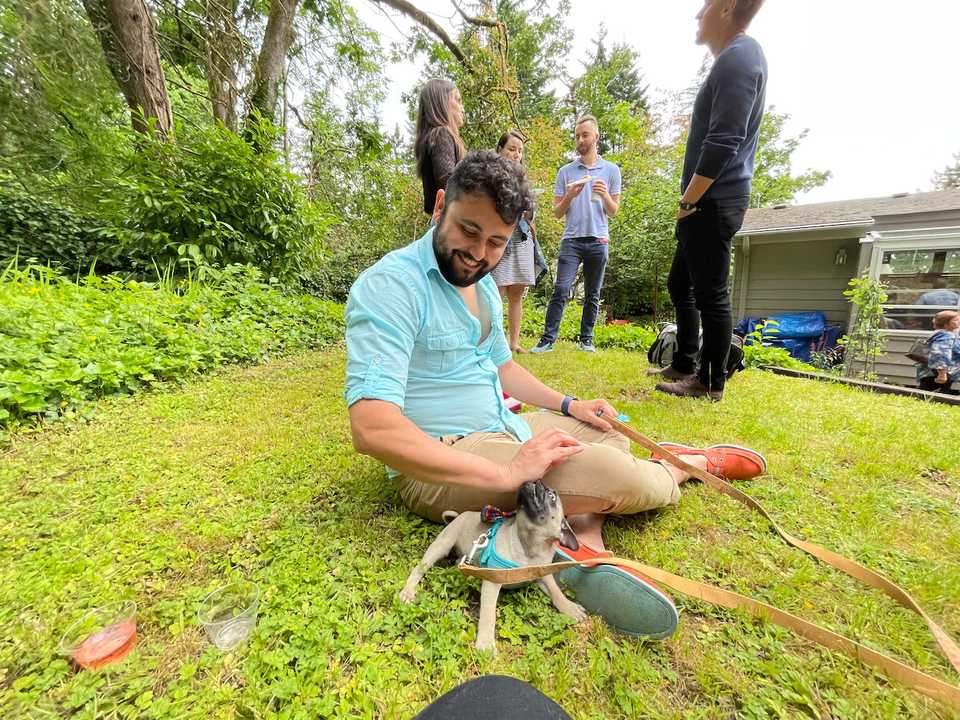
[[593, 255], [699, 287], [931, 384], [494, 697]]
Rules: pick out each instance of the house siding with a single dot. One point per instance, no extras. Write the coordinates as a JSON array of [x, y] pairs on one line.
[[893, 366], [793, 276], [788, 270]]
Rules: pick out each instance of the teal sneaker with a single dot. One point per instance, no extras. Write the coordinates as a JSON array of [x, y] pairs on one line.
[[628, 601]]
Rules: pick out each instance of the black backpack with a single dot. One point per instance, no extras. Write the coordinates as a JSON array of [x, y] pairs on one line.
[[919, 352], [661, 351], [665, 345]]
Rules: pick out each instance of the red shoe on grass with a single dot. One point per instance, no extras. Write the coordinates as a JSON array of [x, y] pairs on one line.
[[731, 462]]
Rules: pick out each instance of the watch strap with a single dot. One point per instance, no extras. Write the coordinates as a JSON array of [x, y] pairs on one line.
[[565, 404]]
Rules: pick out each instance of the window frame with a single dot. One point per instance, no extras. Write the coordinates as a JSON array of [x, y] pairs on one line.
[[932, 239]]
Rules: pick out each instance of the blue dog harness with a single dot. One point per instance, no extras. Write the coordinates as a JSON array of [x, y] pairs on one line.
[[488, 543]]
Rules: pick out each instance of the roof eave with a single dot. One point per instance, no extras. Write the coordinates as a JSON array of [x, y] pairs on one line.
[[850, 225]]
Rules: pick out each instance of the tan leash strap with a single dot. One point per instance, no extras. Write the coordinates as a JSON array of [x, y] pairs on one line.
[[850, 567], [908, 676]]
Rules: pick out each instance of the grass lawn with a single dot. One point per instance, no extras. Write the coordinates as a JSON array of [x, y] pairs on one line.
[[250, 473]]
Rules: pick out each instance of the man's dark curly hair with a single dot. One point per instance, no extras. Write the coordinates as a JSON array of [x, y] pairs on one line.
[[502, 180]]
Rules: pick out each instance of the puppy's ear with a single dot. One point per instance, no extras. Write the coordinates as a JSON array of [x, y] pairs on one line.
[[567, 538]]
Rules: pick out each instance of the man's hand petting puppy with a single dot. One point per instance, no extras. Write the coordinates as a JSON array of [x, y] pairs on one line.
[[538, 456], [541, 454]]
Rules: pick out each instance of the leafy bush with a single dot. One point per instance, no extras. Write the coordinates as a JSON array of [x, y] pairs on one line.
[[626, 336], [637, 338], [210, 199], [33, 229], [63, 343], [758, 355]]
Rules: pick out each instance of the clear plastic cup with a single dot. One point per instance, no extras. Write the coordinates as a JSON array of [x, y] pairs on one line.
[[229, 613], [103, 636]]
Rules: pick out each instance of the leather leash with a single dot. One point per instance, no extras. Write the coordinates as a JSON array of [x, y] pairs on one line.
[[911, 677]]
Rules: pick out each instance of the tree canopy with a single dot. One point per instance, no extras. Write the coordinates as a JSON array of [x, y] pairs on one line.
[[200, 132]]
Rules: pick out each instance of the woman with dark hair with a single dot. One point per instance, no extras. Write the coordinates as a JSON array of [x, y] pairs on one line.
[[438, 146], [522, 264]]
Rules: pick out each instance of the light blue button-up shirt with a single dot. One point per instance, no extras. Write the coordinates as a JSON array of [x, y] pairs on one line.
[[586, 218], [411, 341]]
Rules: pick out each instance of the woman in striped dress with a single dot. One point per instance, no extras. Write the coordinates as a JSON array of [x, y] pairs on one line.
[[522, 263]]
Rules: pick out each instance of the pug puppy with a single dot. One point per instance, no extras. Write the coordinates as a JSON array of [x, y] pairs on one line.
[[526, 538]]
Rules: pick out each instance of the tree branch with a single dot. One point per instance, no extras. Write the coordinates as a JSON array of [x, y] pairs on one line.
[[475, 20], [421, 18]]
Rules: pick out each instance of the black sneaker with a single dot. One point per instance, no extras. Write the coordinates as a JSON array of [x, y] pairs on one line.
[[542, 347]]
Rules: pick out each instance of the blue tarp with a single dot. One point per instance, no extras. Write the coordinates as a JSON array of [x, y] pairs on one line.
[[799, 333], [799, 348], [791, 326]]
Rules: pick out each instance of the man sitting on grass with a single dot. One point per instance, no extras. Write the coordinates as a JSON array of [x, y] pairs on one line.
[[428, 362]]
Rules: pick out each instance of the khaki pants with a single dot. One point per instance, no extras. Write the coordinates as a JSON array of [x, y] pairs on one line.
[[604, 478]]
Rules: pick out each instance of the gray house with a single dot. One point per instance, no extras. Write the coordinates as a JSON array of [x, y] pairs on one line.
[[801, 257]]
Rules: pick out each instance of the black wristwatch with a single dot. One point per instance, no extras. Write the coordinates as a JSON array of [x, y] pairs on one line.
[[565, 404], [687, 206]]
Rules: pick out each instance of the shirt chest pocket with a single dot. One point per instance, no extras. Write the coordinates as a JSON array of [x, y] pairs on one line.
[[445, 350]]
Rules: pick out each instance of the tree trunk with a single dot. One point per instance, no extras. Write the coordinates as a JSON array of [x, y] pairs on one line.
[[269, 71], [126, 32], [656, 294], [223, 47]]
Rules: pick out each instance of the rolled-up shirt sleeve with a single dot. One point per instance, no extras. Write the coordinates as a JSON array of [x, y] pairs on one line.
[[383, 318], [735, 92]]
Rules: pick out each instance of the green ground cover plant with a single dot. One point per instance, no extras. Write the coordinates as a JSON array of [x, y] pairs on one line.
[[63, 343], [638, 337], [250, 473]]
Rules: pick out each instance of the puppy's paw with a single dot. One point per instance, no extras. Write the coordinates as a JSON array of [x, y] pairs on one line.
[[488, 645], [573, 610], [407, 595]]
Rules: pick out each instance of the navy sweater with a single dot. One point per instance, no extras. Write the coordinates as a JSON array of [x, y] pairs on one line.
[[726, 119]]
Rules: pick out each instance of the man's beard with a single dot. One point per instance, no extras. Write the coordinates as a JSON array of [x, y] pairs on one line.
[[459, 277]]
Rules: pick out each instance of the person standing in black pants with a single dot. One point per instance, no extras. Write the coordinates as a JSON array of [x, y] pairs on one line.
[[717, 173]]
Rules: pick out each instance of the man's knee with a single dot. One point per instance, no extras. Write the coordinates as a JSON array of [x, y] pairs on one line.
[[561, 291], [615, 480]]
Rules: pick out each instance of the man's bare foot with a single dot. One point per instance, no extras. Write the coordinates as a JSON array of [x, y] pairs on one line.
[[588, 528]]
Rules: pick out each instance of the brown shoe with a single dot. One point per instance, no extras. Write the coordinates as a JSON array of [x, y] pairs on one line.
[[690, 387], [668, 373]]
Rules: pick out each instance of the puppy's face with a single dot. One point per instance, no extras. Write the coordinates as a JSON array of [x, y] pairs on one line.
[[540, 511]]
